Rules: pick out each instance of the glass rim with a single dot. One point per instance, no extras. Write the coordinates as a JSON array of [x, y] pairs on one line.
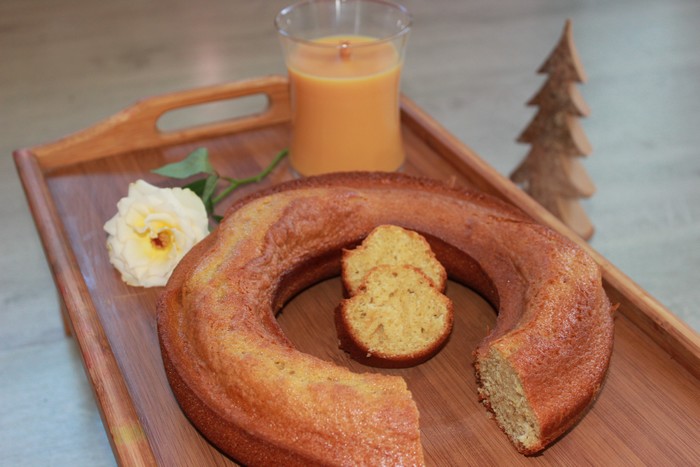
[[398, 7]]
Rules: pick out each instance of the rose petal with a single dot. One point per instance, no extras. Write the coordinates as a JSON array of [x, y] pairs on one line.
[[146, 212]]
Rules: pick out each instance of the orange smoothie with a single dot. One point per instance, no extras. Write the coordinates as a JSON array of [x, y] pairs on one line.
[[345, 105]]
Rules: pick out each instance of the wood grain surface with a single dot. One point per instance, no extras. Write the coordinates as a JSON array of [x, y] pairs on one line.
[[67, 64], [114, 324]]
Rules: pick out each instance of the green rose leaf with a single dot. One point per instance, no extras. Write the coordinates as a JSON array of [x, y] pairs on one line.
[[209, 187], [204, 188], [197, 162], [197, 186]]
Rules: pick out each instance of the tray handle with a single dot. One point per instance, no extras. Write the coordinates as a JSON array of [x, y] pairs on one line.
[[136, 128]]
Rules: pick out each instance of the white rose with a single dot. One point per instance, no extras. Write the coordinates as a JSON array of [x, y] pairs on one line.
[[152, 230]]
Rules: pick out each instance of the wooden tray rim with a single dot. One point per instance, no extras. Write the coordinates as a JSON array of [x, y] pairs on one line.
[[125, 431]]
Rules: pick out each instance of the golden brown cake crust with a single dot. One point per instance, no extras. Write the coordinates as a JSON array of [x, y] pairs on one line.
[[245, 387]]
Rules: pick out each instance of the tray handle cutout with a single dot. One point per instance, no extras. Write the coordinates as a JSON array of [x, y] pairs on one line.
[[163, 120], [200, 115]]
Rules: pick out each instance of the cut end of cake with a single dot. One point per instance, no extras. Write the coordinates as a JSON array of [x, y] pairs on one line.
[[502, 393], [397, 319]]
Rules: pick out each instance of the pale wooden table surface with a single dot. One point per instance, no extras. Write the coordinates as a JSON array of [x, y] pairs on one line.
[[67, 64]]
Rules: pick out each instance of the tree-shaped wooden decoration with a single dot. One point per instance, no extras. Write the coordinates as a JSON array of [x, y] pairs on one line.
[[551, 172]]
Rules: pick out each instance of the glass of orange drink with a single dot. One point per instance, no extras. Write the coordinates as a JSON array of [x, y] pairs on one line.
[[344, 61]]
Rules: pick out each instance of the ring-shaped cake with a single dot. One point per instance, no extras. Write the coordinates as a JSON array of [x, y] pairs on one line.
[[252, 394]]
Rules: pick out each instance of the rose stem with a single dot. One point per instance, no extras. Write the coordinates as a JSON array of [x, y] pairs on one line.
[[235, 183]]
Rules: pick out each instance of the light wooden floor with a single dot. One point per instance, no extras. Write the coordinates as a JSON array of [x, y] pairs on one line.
[[65, 64]]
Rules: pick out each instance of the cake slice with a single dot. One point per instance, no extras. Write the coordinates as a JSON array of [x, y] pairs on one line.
[[391, 244], [397, 319]]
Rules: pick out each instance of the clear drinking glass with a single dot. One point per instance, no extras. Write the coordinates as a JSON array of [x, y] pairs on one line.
[[344, 60]]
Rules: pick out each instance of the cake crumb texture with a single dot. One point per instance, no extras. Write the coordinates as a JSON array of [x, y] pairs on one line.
[[391, 244], [397, 318]]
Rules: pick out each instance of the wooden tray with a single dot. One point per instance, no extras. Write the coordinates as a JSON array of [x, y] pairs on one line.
[[649, 409]]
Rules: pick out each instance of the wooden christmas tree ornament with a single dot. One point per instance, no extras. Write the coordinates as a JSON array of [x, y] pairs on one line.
[[551, 172]]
